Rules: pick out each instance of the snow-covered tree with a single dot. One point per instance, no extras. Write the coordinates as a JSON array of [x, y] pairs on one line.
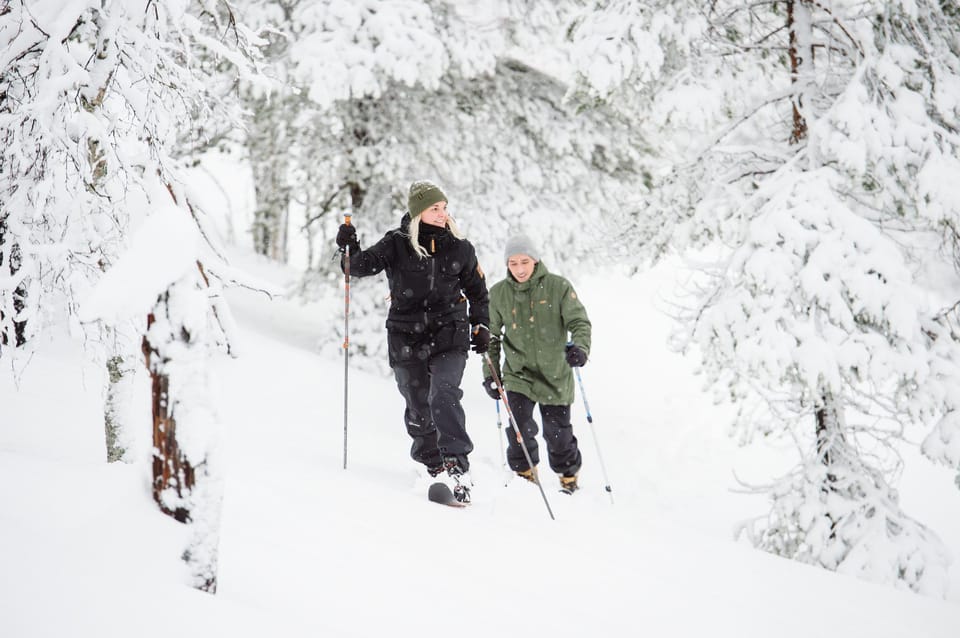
[[454, 92], [163, 276], [398, 90], [101, 102], [809, 147]]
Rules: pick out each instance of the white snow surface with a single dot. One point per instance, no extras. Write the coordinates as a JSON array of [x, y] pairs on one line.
[[165, 246], [308, 548]]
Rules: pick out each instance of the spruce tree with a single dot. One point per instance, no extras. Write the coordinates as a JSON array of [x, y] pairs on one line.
[[806, 151]]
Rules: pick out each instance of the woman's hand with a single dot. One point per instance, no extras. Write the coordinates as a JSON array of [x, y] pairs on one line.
[[480, 339], [347, 237]]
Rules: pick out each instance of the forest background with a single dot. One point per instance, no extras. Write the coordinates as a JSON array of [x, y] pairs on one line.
[[797, 156]]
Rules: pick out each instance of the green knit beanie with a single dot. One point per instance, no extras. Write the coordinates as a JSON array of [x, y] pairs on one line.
[[423, 195]]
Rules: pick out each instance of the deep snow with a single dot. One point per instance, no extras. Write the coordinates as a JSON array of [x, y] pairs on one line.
[[308, 548]]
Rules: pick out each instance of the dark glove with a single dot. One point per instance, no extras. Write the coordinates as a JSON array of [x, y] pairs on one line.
[[575, 356], [347, 236], [490, 387], [480, 339]]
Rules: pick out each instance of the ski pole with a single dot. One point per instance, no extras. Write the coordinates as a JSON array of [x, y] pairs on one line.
[[516, 429], [346, 340], [593, 431], [503, 454]]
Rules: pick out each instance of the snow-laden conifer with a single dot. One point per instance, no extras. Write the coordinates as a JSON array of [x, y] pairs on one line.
[[809, 148]]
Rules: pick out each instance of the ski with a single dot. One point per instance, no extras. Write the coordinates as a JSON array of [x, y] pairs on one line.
[[442, 494]]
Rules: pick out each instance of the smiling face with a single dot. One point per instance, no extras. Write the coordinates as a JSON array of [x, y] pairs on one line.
[[436, 215], [521, 267]]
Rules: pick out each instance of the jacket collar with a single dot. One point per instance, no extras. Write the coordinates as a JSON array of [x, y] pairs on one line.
[[539, 272], [438, 235]]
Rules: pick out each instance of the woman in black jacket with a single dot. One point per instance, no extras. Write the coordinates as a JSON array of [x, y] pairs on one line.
[[433, 274]]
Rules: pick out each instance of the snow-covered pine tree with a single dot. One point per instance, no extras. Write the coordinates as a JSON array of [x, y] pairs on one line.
[[447, 92], [933, 39], [814, 166], [99, 103]]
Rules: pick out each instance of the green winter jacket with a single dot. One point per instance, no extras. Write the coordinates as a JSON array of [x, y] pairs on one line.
[[532, 321]]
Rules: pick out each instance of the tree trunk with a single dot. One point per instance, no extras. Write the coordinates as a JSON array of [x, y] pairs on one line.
[[829, 432], [13, 260], [268, 146], [270, 222], [799, 27], [173, 476], [826, 424], [357, 194], [186, 483], [111, 419], [358, 169]]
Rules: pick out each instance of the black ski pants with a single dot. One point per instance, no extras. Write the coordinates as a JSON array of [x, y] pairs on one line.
[[562, 449], [434, 417]]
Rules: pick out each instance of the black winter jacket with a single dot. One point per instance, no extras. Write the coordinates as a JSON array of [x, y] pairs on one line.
[[428, 295]]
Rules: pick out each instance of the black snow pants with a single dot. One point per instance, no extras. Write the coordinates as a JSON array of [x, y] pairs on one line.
[[434, 417], [562, 449]]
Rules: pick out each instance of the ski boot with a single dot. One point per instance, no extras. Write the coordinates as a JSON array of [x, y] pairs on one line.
[[530, 474], [568, 484], [461, 477]]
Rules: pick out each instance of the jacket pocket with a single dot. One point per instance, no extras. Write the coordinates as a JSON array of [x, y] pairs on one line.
[[408, 325]]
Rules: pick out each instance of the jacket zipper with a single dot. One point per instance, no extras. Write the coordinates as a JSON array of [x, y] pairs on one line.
[[430, 280]]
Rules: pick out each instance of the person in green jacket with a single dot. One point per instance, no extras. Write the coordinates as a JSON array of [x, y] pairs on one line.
[[537, 320]]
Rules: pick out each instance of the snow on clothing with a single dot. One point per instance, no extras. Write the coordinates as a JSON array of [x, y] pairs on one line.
[[535, 317], [428, 331]]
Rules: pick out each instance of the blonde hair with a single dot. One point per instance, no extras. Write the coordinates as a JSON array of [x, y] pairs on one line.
[[415, 234]]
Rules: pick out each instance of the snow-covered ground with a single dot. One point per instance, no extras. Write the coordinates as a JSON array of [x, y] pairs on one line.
[[308, 548]]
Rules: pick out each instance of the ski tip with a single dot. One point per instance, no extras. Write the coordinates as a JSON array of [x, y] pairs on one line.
[[439, 493], [442, 494]]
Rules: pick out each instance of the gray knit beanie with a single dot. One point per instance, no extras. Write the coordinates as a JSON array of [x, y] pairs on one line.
[[520, 244], [423, 195]]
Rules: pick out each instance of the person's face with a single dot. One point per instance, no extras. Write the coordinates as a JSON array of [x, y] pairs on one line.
[[521, 267], [436, 215]]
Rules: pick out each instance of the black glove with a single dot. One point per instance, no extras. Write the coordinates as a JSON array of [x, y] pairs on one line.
[[490, 387], [575, 356], [480, 339], [347, 236]]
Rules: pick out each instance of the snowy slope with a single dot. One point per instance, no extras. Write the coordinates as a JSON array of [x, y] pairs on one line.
[[308, 548]]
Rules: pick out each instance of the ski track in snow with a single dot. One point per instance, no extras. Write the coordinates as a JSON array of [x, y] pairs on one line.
[[308, 548], [366, 543]]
